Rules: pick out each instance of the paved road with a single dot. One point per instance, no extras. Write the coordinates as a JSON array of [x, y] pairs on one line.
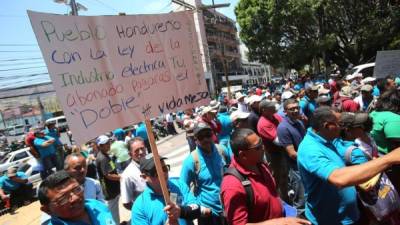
[[175, 148]]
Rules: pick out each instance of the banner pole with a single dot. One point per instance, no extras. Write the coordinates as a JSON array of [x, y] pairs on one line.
[[156, 157]]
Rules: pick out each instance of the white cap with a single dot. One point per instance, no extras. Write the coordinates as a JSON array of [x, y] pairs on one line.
[[102, 139], [287, 95], [239, 115], [239, 95], [254, 98], [349, 77], [358, 75], [323, 91]]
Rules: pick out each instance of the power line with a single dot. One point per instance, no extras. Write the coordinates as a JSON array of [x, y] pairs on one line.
[[18, 45], [12, 60], [168, 4], [23, 68], [107, 6]]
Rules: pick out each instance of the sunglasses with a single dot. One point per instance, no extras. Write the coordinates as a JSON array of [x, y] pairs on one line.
[[258, 147], [66, 197], [293, 109]]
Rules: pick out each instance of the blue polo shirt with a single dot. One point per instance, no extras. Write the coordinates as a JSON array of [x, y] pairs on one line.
[[357, 155], [291, 132], [54, 134], [99, 214], [149, 206], [317, 158], [226, 126], [208, 178], [44, 151], [9, 185], [308, 106]]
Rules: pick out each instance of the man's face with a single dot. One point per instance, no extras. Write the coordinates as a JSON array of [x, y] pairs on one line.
[[66, 201], [137, 150], [333, 128], [152, 179], [77, 168], [293, 111], [105, 148], [256, 106], [255, 151], [204, 138], [313, 94], [366, 94]]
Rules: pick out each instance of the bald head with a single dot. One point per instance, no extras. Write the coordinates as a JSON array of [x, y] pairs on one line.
[[75, 165]]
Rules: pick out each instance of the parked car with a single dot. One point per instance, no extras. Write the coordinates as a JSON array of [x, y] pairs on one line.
[[16, 158], [15, 130], [61, 122], [367, 70], [32, 169]]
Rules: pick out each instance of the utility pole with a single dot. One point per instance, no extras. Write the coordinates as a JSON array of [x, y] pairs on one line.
[[74, 8]]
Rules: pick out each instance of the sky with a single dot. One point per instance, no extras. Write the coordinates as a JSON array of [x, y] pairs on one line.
[[21, 62]]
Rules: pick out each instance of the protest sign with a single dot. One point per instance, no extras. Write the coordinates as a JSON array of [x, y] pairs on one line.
[[387, 63], [113, 71]]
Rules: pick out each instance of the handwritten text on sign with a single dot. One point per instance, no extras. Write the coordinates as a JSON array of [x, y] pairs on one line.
[[113, 71]]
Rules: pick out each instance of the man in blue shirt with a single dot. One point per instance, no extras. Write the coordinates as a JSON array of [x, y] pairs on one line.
[[14, 186], [47, 150], [61, 196], [52, 131], [307, 103], [149, 207], [329, 184], [290, 133], [142, 132], [204, 168]]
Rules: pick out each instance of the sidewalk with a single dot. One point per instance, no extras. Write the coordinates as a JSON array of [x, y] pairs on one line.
[[31, 213]]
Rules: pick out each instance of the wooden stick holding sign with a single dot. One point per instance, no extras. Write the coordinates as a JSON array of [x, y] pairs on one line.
[[157, 162]]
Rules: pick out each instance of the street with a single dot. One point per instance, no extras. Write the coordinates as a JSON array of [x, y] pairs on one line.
[[175, 148]]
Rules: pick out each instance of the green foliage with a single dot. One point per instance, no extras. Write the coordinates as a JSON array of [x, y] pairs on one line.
[[290, 33]]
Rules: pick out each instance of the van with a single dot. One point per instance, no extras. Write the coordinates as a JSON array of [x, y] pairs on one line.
[[15, 130], [61, 122], [367, 70]]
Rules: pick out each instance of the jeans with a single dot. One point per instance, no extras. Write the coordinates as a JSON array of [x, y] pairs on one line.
[[278, 164], [48, 163], [297, 196], [60, 157], [211, 220]]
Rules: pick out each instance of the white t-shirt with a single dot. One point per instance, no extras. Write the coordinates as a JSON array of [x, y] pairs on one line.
[[131, 183]]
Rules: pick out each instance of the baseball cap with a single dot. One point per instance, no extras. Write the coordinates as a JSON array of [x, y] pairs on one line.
[[345, 92], [368, 79], [239, 115], [214, 104], [12, 171], [313, 88], [367, 87], [348, 119], [200, 127], [287, 95], [349, 77], [254, 98], [102, 139], [239, 95], [322, 99], [323, 91], [358, 75], [208, 109], [146, 164], [267, 104]]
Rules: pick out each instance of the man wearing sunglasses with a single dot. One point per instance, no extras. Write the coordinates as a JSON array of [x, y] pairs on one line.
[[61, 196], [291, 132], [204, 168], [265, 207], [149, 207]]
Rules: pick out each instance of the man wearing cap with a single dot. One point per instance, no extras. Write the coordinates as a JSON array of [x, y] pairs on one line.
[[141, 131], [242, 106], [204, 168], [132, 183], [357, 80], [189, 122], [52, 131], [345, 103], [208, 116], [265, 207], [291, 132], [365, 98], [47, 151], [109, 177], [150, 208], [307, 103], [328, 182], [14, 186], [254, 103], [239, 119], [267, 129]]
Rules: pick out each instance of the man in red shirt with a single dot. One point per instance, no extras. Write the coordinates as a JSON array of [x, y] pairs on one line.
[[266, 207], [345, 102], [267, 129]]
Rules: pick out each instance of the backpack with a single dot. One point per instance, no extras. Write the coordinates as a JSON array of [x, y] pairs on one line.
[[245, 182], [382, 201]]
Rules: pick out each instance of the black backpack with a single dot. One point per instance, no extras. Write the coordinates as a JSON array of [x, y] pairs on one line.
[[245, 182]]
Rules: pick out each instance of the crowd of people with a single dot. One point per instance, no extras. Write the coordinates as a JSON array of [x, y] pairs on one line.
[[304, 153]]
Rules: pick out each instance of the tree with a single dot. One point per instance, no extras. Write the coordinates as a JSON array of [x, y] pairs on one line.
[[291, 33]]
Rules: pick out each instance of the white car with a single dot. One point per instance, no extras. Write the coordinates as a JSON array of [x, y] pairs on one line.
[[32, 169], [367, 70], [15, 159]]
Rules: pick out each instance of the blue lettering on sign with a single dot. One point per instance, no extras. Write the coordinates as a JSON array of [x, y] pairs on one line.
[[65, 57]]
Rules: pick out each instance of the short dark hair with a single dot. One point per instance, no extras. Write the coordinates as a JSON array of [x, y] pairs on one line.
[[389, 101], [322, 115], [239, 141], [133, 140], [288, 102], [54, 180]]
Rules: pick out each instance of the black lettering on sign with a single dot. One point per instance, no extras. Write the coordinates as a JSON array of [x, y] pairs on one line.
[[175, 103]]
